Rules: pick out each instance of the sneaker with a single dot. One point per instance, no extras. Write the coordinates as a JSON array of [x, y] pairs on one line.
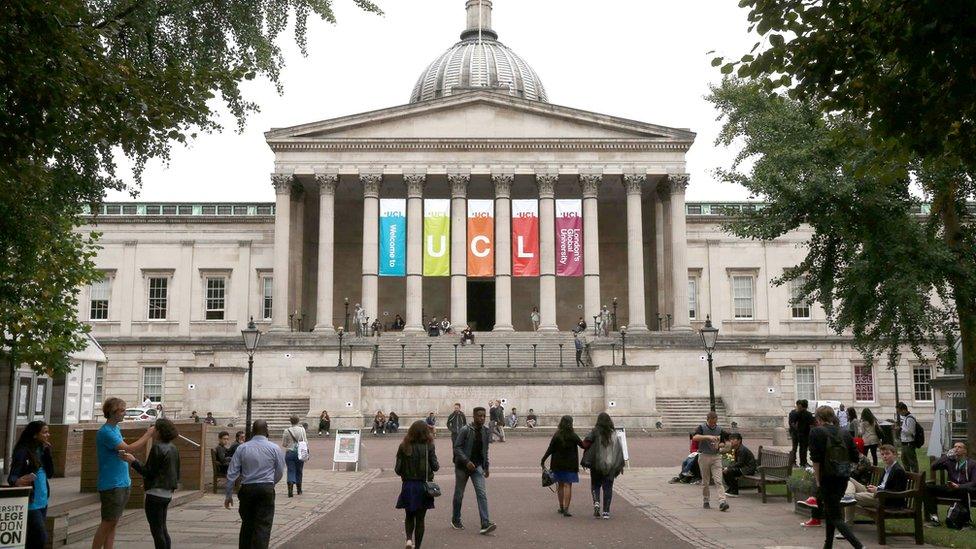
[[848, 499], [705, 505], [732, 494], [596, 510], [561, 511], [409, 544], [675, 480], [488, 528], [811, 523], [809, 503], [723, 506], [697, 482], [457, 525], [567, 514], [934, 521], [606, 516]]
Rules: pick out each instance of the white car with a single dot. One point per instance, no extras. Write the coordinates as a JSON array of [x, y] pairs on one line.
[[140, 414]]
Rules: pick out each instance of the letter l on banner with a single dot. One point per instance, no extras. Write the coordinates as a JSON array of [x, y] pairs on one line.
[[525, 238]]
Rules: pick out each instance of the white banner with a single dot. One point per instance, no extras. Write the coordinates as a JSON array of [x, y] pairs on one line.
[[346, 446], [13, 517]]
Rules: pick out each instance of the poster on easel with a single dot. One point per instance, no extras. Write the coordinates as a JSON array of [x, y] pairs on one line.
[[622, 435], [13, 517], [347, 444]]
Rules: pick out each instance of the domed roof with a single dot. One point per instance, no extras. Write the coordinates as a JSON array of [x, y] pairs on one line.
[[478, 61]]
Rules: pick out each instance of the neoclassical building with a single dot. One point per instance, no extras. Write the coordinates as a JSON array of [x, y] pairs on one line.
[[478, 201]]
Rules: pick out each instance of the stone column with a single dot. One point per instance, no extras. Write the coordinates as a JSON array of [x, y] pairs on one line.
[[637, 318], [503, 252], [590, 185], [279, 304], [371, 235], [547, 251], [415, 251], [325, 285], [459, 243], [679, 252], [662, 276]]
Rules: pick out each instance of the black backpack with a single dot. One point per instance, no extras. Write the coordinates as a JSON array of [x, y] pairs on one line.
[[919, 434], [837, 462]]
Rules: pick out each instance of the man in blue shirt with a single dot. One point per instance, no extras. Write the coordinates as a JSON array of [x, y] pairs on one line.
[[114, 484], [260, 464]]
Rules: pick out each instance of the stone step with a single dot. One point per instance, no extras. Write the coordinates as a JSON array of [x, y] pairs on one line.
[[84, 519]]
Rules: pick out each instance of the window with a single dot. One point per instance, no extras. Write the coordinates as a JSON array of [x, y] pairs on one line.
[[921, 375], [152, 383], [799, 307], [742, 296], [693, 297], [214, 307], [99, 389], [863, 383], [267, 296], [99, 293], [158, 297], [806, 382]]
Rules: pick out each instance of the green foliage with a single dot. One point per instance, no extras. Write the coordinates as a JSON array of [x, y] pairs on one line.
[[84, 80]]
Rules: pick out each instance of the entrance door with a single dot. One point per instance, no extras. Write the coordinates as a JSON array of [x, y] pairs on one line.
[[481, 305]]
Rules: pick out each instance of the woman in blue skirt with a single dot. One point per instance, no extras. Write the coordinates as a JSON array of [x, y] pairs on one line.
[[565, 462], [416, 463]]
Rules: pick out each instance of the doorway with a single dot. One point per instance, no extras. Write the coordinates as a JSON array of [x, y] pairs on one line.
[[481, 304]]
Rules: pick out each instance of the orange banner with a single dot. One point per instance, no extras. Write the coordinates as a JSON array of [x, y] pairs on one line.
[[481, 238]]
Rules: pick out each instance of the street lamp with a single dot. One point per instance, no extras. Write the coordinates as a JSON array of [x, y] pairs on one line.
[[251, 336], [709, 336], [345, 321], [615, 314], [340, 332], [623, 343]]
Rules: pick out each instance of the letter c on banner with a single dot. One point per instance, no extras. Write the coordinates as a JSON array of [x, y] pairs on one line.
[[430, 247], [474, 246]]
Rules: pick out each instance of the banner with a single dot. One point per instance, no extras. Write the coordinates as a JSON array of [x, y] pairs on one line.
[[569, 238], [13, 516], [481, 238], [393, 237], [525, 238], [437, 237]]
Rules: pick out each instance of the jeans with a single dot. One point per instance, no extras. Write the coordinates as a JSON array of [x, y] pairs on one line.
[[598, 483], [832, 489], [731, 477], [873, 448], [477, 477], [36, 528], [802, 443], [256, 508], [156, 517], [498, 429], [295, 467]]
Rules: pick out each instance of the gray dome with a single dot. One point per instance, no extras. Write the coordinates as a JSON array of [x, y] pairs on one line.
[[478, 61]]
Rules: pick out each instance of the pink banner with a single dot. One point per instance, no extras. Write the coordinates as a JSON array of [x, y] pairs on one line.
[[569, 238]]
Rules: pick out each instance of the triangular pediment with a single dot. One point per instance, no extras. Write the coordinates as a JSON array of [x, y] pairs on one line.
[[479, 114]]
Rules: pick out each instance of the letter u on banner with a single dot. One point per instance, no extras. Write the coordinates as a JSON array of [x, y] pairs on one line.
[[437, 237], [393, 237], [481, 238], [569, 238], [525, 238]]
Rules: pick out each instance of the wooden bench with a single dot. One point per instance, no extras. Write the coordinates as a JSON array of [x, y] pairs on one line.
[[773, 468], [217, 475], [912, 510]]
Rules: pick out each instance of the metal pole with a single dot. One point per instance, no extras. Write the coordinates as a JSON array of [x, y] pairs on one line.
[[534, 345], [482, 355], [340, 350], [894, 370], [429, 345], [623, 348], [615, 314], [247, 414], [508, 355], [345, 322], [711, 384], [455, 355], [560, 355], [403, 352]]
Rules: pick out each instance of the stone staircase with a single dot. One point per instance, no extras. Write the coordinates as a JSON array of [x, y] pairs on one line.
[[411, 351], [76, 520], [681, 415], [277, 413]]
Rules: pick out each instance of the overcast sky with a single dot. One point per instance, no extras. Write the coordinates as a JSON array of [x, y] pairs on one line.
[[645, 60]]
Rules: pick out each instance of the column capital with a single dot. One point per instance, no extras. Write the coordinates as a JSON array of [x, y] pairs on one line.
[[634, 183], [371, 184], [327, 183], [590, 185], [459, 184], [503, 185], [415, 185], [678, 182], [547, 184], [282, 182]]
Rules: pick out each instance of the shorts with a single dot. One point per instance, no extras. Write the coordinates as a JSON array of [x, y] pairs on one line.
[[113, 502]]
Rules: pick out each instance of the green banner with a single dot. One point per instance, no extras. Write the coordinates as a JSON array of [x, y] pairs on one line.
[[437, 237]]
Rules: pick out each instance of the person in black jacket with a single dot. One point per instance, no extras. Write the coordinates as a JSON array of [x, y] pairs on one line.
[[455, 421], [222, 452], [563, 447], [833, 454], [743, 463], [160, 475], [800, 420], [471, 463], [416, 463], [32, 465]]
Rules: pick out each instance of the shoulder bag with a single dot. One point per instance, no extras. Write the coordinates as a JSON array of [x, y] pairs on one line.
[[430, 487], [301, 446]]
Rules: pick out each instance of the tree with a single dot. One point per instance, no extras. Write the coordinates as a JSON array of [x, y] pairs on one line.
[[904, 69], [84, 80]]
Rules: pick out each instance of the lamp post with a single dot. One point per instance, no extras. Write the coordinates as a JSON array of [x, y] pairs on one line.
[[251, 336], [893, 366], [615, 314], [345, 322], [595, 330], [340, 332], [623, 344], [709, 335]]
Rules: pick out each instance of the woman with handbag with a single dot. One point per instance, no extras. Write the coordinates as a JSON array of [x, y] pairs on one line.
[[293, 436], [416, 463], [604, 457], [32, 465], [563, 448], [160, 478], [870, 433]]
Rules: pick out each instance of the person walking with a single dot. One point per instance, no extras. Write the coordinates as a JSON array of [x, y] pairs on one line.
[[800, 421], [471, 462], [416, 463], [535, 319], [870, 434], [711, 441], [604, 457], [833, 454], [259, 464], [296, 465], [114, 484], [498, 420], [906, 435], [325, 423], [455, 421], [160, 477], [31, 465], [563, 449], [578, 343]]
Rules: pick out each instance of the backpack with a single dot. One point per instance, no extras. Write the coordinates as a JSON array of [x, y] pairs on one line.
[[837, 461], [919, 434], [958, 516]]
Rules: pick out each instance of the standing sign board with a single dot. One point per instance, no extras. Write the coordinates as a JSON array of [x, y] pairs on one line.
[[13, 517], [347, 444], [622, 435]]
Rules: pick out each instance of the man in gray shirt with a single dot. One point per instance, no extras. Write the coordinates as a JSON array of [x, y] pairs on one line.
[[711, 440], [907, 437], [260, 464]]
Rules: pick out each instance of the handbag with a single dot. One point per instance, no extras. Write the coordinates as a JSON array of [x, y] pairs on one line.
[[430, 487], [301, 447], [547, 479]]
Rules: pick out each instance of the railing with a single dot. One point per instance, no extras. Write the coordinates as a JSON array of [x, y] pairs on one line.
[[478, 355], [181, 209]]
